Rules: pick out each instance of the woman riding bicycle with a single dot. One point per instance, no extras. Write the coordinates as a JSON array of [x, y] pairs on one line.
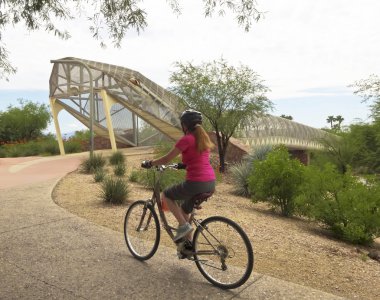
[[195, 148]]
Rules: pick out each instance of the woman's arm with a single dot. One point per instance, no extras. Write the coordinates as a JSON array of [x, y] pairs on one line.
[[166, 158]]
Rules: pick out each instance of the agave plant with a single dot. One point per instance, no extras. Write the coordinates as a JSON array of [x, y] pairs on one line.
[[119, 170], [99, 175], [114, 191], [242, 170], [117, 158], [239, 175], [91, 164]]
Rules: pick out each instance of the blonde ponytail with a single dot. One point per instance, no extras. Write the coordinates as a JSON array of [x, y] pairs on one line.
[[202, 139]]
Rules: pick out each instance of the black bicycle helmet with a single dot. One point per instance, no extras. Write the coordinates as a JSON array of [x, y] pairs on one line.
[[190, 118]]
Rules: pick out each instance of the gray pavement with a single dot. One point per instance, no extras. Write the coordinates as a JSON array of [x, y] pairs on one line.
[[48, 253]]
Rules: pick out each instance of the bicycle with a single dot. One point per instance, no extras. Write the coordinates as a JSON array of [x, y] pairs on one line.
[[220, 248]]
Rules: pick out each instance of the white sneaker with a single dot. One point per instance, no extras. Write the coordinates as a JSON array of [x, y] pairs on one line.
[[182, 231]]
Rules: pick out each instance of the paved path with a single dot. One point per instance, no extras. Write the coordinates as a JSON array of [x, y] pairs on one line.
[[48, 253]]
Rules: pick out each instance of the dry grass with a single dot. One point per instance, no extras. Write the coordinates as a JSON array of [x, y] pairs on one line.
[[291, 249]]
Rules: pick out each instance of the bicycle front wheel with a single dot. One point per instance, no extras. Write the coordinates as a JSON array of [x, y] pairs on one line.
[[141, 230], [224, 253]]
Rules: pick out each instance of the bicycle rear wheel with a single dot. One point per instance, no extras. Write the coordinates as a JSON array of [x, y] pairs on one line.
[[141, 230], [224, 253]]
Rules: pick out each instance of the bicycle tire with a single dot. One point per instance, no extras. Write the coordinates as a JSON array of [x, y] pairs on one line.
[[142, 243], [214, 234]]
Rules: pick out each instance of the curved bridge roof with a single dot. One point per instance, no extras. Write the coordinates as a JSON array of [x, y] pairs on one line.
[[272, 130], [137, 97]]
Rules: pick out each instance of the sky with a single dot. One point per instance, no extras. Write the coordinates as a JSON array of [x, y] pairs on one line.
[[307, 52]]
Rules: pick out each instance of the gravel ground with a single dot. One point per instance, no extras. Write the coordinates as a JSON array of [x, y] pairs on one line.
[[290, 249]]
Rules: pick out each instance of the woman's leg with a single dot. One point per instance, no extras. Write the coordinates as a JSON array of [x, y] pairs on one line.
[[187, 218], [175, 209]]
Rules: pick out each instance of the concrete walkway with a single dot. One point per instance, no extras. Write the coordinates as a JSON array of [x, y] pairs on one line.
[[48, 253]]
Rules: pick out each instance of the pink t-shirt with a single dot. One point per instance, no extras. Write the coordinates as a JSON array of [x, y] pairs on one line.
[[198, 164]]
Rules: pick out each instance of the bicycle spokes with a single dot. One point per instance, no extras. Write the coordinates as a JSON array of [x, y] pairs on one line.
[[223, 253]]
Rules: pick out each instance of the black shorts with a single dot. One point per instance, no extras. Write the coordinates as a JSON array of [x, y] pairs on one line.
[[186, 190]]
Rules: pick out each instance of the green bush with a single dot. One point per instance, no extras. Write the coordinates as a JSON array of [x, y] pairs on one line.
[[72, 146], [114, 191], [350, 208], [119, 170], [50, 147], [99, 175], [92, 163], [240, 171], [134, 176], [117, 158], [276, 180], [3, 152], [43, 146]]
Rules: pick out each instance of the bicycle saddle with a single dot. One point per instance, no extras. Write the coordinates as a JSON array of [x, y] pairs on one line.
[[199, 198]]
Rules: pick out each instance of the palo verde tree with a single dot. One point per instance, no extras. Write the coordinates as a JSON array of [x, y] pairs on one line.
[[369, 89], [227, 96], [25, 122], [110, 17]]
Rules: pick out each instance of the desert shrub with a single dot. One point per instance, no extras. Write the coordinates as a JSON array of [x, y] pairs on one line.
[[50, 147], [3, 152], [134, 176], [239, 175], [99, 175], [114, 191], [42, 146], [23, 149], [72, 146], [93, 162], [276, 180], [117, 158], [240, 171], [347, 206], [119, 170]]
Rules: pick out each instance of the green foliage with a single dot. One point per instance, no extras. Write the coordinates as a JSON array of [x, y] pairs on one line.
[[364, 140], [134, 176], [348, 207], [23, 123], [117, 158], [114, 191], [119, 170], [276, 180], [72, 146], [92, 163], [42, 146], [369, 89], [241, 171], [359, 148], [99, 175], [338, 150], [228, 97]]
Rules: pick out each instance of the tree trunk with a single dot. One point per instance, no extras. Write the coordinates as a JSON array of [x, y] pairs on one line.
[[220, 152], [222, 147]]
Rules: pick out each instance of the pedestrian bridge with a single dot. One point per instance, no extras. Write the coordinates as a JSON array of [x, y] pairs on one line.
[[131, 110]]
